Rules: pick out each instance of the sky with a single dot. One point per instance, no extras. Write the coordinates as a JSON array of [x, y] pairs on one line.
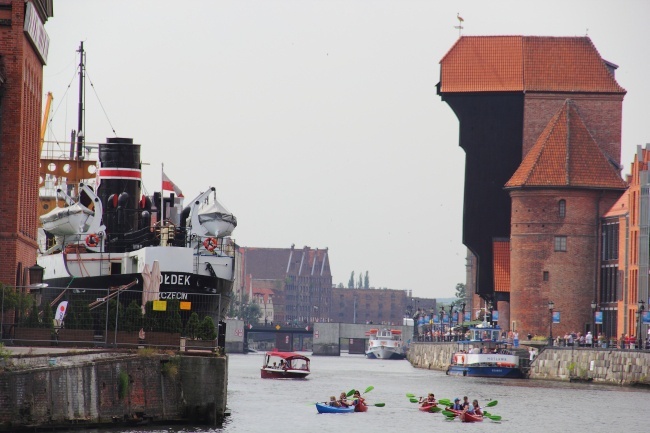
[[317, 121]]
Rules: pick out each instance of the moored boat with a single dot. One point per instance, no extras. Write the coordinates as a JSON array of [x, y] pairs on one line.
[[484, 355], [325, 408], [285, 365], [385, 344]]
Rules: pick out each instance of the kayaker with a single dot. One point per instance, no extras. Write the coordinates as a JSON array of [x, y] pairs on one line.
[[476, 408], [465, 403], [469, 409], [333, 402], [358, 400], [343, 400], [457, 405], [430, 400]]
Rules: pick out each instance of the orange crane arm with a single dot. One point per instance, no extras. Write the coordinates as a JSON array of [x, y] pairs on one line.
[[46, 114]]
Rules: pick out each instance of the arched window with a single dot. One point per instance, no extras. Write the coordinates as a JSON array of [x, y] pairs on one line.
[[562, 208]]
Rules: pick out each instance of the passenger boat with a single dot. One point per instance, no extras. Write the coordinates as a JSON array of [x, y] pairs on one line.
[[326, 408], [385, 344], [285, 365], [484, 355], [99, 231]]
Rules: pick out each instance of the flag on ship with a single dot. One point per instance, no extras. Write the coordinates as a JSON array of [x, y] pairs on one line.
[[168, 185]]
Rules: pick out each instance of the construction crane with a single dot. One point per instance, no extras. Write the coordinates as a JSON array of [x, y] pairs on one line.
[[46, 114]]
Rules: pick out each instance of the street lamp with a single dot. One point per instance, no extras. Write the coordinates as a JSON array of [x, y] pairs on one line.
[[462, 327], [640, 313], [451, 322], [594, 304], [442, 323], [551, 306]]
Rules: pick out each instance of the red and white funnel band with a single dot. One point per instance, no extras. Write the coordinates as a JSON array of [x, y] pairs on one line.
[[119, 173]]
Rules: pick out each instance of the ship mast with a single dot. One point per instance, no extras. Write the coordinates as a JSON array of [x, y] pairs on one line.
[[82, 97]]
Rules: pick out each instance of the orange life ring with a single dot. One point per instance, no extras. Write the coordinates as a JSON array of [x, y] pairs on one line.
[[210, 244], [92, 240]]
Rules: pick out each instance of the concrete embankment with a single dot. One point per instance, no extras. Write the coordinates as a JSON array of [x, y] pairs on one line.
[[620, 367], [88, 389]]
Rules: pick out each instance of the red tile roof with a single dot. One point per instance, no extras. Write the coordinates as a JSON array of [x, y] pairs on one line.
[[525, 63], [566, 155], [501, 257]]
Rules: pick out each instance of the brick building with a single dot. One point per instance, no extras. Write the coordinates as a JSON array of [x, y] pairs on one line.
[[540, 122], [23, 53], [299, 282], [379, 306]]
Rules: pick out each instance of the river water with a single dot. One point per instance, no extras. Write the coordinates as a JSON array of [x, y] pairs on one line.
[[267, 405]]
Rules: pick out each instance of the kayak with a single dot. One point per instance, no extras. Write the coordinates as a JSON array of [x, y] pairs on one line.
[[325, 408], [426, 407], [361, 407], [470, 417]]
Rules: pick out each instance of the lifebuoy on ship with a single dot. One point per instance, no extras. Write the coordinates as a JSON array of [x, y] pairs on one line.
[[460, 359], [92, 240], [210, 244]]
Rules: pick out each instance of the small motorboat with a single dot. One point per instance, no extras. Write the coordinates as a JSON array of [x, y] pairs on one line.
[[285, 365], [326, 408]]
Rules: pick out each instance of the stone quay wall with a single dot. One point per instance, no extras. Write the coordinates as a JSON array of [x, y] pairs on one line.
[[620, 367], [93, 390]]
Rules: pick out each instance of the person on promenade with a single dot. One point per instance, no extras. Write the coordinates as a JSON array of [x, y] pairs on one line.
[[589, 339], [515, 341]]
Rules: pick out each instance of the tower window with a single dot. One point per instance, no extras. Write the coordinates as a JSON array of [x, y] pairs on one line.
[[545, 275], [560, 243], [562, 208]]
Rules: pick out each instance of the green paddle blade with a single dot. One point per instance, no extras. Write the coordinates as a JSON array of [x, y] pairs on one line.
[[408, 394], [492, 403], [414, 400], [494, 417], [380, 404], [435, 409], [448, 414], [370, 388], [444, 402], [350, 392]]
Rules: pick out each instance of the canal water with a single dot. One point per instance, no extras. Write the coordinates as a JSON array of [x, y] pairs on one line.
[[267, 405]]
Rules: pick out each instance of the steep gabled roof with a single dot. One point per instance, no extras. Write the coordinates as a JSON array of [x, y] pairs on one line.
[[619, 208], [525, 64], [566, 155]]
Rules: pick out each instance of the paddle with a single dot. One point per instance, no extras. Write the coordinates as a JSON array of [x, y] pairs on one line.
[[414, 400], [492, 403], [449, 414], [435, 409], [445, 402], [408, 394], [379, 404], [492, 417], [350, 392], [370, 388]]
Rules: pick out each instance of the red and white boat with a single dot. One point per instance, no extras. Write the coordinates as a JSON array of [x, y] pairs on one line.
[[285, 365]]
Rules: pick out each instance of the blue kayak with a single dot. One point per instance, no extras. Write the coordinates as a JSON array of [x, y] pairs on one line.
[[325, 408]]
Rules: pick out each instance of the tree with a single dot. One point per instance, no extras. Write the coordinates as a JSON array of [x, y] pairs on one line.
[[366, 281], [251, 312], [340, 286], [132, 320], [192, 327], [351, 282], [206, 329], [360, 283], [460, 294]]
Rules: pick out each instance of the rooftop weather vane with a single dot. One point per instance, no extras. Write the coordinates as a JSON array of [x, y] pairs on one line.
[[460, 24]]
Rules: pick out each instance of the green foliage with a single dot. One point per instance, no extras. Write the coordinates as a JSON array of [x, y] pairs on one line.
[[206, 329], [366, 281], [122, 384], [132, 320], [11, 299], [360, 283], [351, 281], [114, 308], [48, 317], [4, 353], [78, 315], [32, 320], [192, 327], [171, 367], [174, 322], [460, 292], [251, 312]]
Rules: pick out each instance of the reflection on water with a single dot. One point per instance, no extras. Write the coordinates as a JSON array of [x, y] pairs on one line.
[[268, 405]]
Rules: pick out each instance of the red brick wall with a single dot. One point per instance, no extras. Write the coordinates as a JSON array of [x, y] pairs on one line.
[[20, 124], [602, 115], [572, 274]]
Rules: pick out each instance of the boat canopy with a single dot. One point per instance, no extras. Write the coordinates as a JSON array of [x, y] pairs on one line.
[[287, 355]]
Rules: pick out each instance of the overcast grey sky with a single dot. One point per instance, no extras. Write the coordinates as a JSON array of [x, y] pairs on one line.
[[317, 121]]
